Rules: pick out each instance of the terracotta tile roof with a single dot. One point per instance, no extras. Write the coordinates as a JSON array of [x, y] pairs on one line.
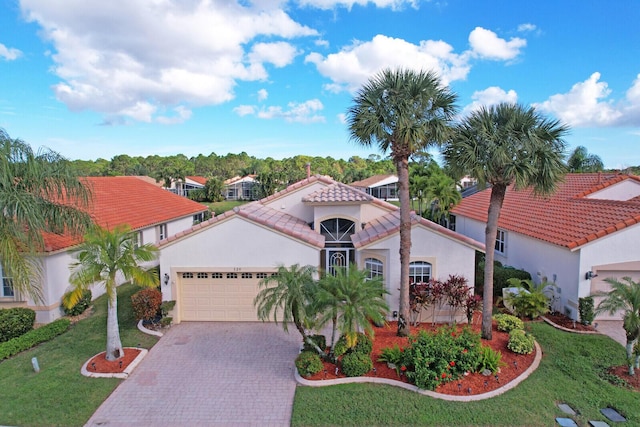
[[566, 218], [199, 179], [389, 224], [338, 193], [371, 181], [128, 200], [150, 180], [298, 185]]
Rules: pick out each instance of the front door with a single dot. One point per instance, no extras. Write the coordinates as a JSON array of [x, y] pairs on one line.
[[337, 258]]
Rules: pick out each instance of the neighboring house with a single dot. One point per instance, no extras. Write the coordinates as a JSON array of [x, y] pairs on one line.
[[383, 187], [190, 183], [213, 269], [240, 188], [587, 231], [153, 213]]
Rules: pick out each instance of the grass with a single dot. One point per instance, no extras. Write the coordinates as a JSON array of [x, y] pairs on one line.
[[59, 395], [571, 371], [221, 207]]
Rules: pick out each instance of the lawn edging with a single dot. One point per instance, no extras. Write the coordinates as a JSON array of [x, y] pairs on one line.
[[144, 330], [562, 328], [410, 387], [122, 375]]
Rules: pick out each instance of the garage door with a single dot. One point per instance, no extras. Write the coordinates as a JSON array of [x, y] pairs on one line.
[[219, 296], [599, 285]]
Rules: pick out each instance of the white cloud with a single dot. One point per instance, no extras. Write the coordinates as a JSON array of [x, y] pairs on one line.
[[332, 4], [262, 94], [527, 28], [585, 105], [182, 115], [342, 118], [354, 64], [137, 59], [306, 112], [490, 96], [486, 44], [9, 53]]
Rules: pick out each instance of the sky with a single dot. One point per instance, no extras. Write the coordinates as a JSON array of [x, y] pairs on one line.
[[273, 78]]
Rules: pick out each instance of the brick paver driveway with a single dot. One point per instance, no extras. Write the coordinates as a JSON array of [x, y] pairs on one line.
[[209, 374]]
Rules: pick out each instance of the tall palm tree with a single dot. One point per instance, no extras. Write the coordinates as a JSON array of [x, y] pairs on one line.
[[580, 160], [102, 258], [39, 193], [403, 112], [624, 297], [286, 293], [502, 145], [442, 195]]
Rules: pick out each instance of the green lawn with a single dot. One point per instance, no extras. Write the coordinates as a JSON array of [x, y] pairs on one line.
[[221, 207], [569, 372], [59, 395]]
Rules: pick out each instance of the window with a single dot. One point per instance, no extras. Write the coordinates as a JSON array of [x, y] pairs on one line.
[[162, 232], [419, 272], [187, 275], [202, 276], [261, 275], [451, 222], [501, 241], [247, 275], [139, 240], [337, 230], [7, 285], [232, 275], [216, 275], [373, 267]]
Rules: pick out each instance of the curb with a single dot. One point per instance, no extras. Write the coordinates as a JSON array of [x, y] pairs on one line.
[[454, 398], [573, 331], [121, 375], [142, 329]]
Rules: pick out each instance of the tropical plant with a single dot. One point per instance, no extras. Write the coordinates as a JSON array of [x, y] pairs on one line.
[[531, 301], [356, 364], [585, 310], [39, 193], [490, 360], [102, 258], [287, 293], [456, 292], [392, 356], [520, 342], [507, 322], [503, 145], [352, 301], [580, 160], [308, 363], [403, 112], [624, 296]]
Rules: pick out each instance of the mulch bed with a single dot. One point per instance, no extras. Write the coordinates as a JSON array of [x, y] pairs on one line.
[[474, 383], [101, 365], [566, 322]]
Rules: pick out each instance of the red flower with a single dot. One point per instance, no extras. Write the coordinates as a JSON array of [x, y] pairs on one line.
[[444, 375], [453, 334], [403, 368], [452, 363], [464, 351]]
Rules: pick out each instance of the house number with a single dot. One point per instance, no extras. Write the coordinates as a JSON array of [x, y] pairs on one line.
[[237, 269]]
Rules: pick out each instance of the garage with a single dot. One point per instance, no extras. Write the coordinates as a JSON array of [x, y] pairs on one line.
[[615, 271], [219, 296]]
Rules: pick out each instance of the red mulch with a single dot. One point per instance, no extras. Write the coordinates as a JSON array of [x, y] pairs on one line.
[[566, 322], [103, 366], [386, 337], [623, 373]]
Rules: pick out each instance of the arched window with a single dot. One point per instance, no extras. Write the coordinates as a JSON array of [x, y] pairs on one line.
[[374, 268], [419, 272], [337, 230]]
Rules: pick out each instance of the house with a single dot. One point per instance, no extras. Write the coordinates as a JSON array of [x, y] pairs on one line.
[[587, 231], [183, 187], [240, 188], [383, 187], [213, 269], [153, 213]]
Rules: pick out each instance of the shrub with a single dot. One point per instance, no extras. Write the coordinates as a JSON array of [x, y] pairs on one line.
[[318, 340], [15, 322], [434, 358], [585, 310], [364, 345], [166, 307], [83, 303], [392, 355], [507, 322], [33, 338], [520, 342], [308, 363], [490, 359], [146, 303], [356, 364], [501, 275]]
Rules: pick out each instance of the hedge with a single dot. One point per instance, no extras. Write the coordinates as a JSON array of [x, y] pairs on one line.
[[33, 338]]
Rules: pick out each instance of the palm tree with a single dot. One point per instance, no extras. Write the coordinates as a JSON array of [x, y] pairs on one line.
[[582, 161], [286, 293], [624, 297], [502, 145], [102, 258], [39, 193], [352, 302], [403, 112], [442, 195]]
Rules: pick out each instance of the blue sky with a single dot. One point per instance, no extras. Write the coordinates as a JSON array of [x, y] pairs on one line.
[[274, 78]]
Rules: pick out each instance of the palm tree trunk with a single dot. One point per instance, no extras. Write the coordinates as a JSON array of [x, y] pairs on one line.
[[114, 345], [495, 205], [629, 347], [402, 166]]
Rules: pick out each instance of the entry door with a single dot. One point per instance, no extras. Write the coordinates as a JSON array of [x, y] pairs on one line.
[[337, 258]]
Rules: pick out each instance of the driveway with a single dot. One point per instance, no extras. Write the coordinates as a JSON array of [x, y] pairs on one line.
[[209, 374]]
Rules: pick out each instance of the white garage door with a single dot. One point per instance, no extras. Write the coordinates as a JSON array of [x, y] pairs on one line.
[[599, 285], [219, 296]]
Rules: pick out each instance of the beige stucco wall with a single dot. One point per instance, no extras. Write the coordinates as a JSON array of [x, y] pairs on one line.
[[291, 203]]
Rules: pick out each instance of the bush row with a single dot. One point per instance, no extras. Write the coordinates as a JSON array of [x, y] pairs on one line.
[[33, 338], [15, 322]]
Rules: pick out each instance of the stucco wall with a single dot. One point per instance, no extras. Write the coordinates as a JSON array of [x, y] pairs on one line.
[[292, 202]]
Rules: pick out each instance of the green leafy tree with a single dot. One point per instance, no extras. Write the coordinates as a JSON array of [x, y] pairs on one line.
[[502, 145], [624, 296], [580, 160], [442, 196], [101, 259], [287, 294], [403, 112], [214, 189], [39, 193]]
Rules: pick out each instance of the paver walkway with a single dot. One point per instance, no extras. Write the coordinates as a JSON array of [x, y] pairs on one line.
[[209, 374]]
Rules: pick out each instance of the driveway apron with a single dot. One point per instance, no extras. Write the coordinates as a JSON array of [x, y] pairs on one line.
[[209, 374]]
